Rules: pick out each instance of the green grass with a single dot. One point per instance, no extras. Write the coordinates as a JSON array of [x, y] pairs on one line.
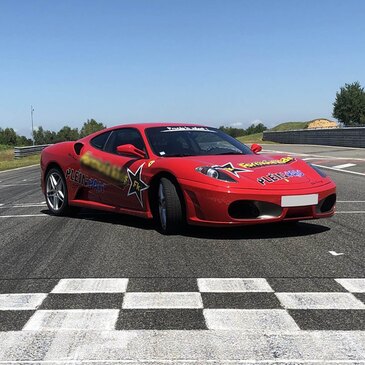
[[290, 126], [7, 160], [253, 138]]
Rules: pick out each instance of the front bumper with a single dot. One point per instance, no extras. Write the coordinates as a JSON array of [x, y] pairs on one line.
[[212, 205]]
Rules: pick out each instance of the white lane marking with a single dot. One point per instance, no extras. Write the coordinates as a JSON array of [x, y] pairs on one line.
[[341, 170], [19, 168], [10, 185], [24, 215], [351, 212], [233, 285], [162, 300], [353, 285], [187, 361], [91, 285], [73, 319], [309, 158], [317, 156], [344, 166], [249, 320], [319, 301], [29, 301], [26, 205], [334, 253], [183, 347], [22, 205], [350, 201]]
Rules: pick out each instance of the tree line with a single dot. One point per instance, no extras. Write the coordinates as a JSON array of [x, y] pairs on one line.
[[66, 133], [239, 132], [43, 136], [348, 109], [9, 137]]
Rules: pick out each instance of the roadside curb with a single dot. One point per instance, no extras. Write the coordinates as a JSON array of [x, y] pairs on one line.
[[19, 168]]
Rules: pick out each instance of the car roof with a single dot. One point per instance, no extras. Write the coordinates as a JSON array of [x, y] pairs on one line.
[[142, 126]]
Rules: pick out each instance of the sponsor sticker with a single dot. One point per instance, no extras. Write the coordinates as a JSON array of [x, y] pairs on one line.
[[136, 184], [105, 168], [230, 168], [278, 176], [281, 161], [80, 178], [182, 128]]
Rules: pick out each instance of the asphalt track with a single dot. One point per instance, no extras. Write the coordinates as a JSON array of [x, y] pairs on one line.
[[287, 306]]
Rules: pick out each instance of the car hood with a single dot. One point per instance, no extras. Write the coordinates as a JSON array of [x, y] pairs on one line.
[[249, 171]]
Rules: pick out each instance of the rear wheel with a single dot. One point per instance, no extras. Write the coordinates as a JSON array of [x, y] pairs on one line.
[[56, 192], [170, 209]]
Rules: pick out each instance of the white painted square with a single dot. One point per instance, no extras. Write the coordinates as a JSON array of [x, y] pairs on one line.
[[344, 166], [73, 319], [257, 320], [27, 301], [162, 300], [233, 285], [319, 301], [353, 285], [299, 200], [91, 285]]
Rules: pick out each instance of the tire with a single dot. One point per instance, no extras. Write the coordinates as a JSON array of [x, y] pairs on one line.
[[170, 211], [56, 192]]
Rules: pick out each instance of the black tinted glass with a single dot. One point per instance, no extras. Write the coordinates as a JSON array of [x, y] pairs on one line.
[[99, 141], [193, 141]]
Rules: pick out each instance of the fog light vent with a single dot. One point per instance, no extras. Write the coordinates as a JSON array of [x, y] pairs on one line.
[[243, 209]]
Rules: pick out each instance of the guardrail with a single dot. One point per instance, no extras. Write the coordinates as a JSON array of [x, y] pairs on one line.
[[20, 152], [346, 137]]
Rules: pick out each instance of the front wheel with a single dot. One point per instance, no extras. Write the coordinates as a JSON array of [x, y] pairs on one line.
[[56, 192], [170, 209]]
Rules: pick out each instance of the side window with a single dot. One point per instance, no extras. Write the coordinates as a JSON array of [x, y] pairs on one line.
[[100, 140], [124, 136]]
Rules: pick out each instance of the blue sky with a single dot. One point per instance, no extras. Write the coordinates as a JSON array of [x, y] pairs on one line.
[[205, 61]]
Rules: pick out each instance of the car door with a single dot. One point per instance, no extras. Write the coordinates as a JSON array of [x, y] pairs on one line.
[[127, 187], [90, 182]]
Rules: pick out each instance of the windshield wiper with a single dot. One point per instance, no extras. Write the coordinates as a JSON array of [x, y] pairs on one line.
[[231, 153], [179, 155]]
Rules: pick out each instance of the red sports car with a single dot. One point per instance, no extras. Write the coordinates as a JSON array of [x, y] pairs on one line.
[[182, 173]]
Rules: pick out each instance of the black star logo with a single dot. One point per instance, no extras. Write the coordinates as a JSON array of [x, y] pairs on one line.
[[230, 168], [136, 184]]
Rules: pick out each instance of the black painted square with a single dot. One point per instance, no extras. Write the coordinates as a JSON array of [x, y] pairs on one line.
[[14, 320], [83, 301], [27, 286], [161, 319], [330, 319], [240, 300]]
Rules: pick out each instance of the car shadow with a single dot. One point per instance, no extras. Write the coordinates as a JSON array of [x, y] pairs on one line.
[[260, 231]]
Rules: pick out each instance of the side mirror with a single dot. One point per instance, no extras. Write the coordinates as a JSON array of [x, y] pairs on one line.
[[129, 149], [256, 148]]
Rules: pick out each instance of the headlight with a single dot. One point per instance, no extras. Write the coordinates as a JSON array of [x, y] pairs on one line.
[[215, 173], [317, 169]]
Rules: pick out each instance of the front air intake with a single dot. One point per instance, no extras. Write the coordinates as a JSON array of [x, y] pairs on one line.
[[327, 204], [243, 209]]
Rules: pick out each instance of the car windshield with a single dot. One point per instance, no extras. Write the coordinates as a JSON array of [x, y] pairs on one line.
[[178, 141]]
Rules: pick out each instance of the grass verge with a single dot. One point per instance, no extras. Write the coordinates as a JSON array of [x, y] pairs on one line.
[[7, 160], [253, 138]]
